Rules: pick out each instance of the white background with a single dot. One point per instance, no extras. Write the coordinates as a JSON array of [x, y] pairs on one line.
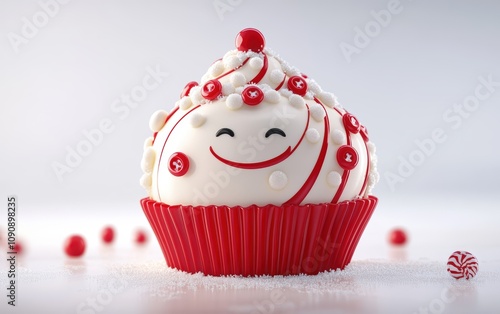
[[412, 71]]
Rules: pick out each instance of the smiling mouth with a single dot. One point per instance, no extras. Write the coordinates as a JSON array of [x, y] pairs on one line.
[[254, 165]]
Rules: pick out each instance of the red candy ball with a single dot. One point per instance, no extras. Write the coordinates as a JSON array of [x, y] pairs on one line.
[[108, 234], [18, 248], [397, 237], [250, 39], [74, 246], [140, 237]]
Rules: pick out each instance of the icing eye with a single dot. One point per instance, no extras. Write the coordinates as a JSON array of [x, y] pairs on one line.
[[275, 131], [224, 131]]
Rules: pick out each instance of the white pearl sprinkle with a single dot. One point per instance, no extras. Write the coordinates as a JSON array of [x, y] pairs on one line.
[[278, 180], [371, 147], [146, 181], [313, 135], [338, 137], [317, 112], [217, 68], [296, 101], [185, 103], [277, 76], [238, 79], [327, 99], [232, 62], [227, 89], [285, 92], [148, 160], [148, 142], [314, 87], [195, 95], [157, 120], [234, 101], [334, 179], [272, 96], [197, 119], [256, 63]]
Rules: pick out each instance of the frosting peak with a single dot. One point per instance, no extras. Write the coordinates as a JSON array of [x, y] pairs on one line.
[[257, 131]]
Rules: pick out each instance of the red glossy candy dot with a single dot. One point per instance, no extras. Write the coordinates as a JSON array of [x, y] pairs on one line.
[[74, 246], [297, 85], [462, 264], [347, 157], [351, 123], [108, 234], [211, 89], [187, 88], [250, 39], [178, 164], [18, 248], [252, 95], [140, 237], [397, 237]]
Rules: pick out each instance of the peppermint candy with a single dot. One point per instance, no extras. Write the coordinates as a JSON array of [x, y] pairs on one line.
[[462, 264]]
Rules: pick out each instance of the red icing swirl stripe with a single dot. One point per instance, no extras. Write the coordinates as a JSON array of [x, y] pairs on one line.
[[232, 70], [282, 82], [165, 143], [345, 174], [261, 73], [313, 176], [365, 182]]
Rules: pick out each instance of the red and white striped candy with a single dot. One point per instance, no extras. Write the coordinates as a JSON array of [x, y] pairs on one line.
[[462, 264]]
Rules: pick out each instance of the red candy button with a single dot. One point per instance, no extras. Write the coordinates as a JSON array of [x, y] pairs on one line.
[[351, 123], [187, 88], [178, 164], [252, 95], [364, 133], [250, 39], [297, 85], [347, 157], [211, 90]]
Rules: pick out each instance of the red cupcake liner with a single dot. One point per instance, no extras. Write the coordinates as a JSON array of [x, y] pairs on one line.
[[254, 240]]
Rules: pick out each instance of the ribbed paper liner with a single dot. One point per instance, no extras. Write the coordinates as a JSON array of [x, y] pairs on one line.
[[253, 240]]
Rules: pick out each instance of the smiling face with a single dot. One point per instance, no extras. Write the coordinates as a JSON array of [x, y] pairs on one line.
[[259, 137], [226, 150]]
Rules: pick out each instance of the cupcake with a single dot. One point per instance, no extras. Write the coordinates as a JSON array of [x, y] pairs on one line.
[[257, 171]]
